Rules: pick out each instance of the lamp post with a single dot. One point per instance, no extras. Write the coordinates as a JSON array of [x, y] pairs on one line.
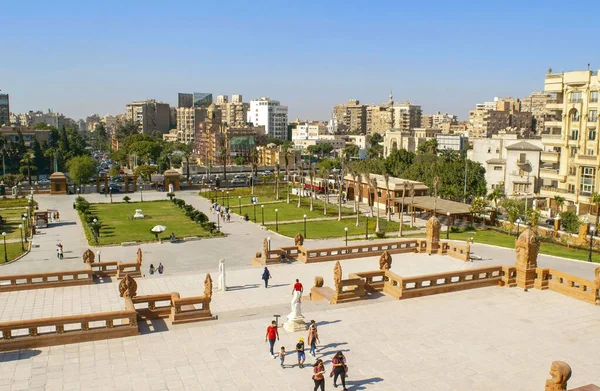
[[304, 226], [254, 203], [240, 204], [518, 225], [277, 220], [262, 211], [227, 200], [141, 185], [218, 218], [96, 230], [346, 230], [592, 229], [25, 225], [22, 247], [269, 243], [5, 256], [448, 226], [25, 218], [367, 228]]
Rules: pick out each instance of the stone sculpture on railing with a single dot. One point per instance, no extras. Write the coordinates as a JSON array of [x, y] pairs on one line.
[[266, 248], [385, 261], [208, 286], [88, 256], [298, 239], [337, 277], [318, 282], [561, 373], [138, 258], [527, 248], [433, 234], [128, 287]]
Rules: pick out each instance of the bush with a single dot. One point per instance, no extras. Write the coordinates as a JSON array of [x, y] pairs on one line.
[[171, 196], [380, 235], [126, 199]]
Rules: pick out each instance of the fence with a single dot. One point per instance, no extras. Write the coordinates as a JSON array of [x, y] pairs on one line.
[[67, 329], [20, 282], [359, 251], [567, 284], [186, 309], [146, 306], [374, 280]]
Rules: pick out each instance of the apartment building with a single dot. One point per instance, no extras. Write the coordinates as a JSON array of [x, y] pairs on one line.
[[270, 114], [28, 134], [309, 131], [350, 117], [570, 160], [536, 104], [408, 140], [455, 142], [150, 114], [489, 118], [379, 119], [234, 113], [436, 120], [4, 110], [188, 122], [406, 116]]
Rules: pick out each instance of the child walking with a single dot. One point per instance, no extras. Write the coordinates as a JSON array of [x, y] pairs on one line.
[[282, 356]]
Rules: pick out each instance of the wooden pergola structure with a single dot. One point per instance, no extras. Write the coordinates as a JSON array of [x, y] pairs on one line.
[[447, 208]]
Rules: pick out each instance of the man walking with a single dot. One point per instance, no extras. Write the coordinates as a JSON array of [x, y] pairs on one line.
[[266, 276], [300, 351], [272, 334]]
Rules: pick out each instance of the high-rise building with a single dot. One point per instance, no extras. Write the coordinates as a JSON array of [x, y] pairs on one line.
[[489, 118], [221, 99], [50, 118], [536, 105], [406, 116], [151, 115], [379, 119], [571, 158], [188, 122], [234, 113], [4, 110], [185, 100], [351, 117], [270, 114], [202, 99]]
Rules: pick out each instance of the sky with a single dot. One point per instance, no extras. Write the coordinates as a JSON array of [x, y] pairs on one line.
[[80, 59]]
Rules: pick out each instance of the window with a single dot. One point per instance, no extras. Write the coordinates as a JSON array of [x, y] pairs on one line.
[[497, 168], [571, 188], [575, 116], [572, 170], [573, 152], [576, 97], [574, 134], [522, 158], [589, 152], [592, 134], [593, 116], [588, 179], [594, 96]]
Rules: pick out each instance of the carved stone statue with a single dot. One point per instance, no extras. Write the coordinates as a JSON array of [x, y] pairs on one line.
[[318, 282], [561, 373], [138, 258], [208, 286], [295, 319], [128, 287], [266, 247], [298, 240], [597, 279], [433, 234], [88, 256], [527, 249], [385, 261], [337, 277]]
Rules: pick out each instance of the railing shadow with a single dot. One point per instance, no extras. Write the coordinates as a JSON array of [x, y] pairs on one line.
[[19, 355], [152, 326], [241, 287]]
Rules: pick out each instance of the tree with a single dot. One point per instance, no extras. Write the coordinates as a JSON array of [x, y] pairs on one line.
[[479, 206], [560, 202], [375, 199], [570, 222], [352, 169], [81, 169], [126, 129], [325, 173], [312, 173], [114, 170], [386, 178], [404, 188], [100, 137], [514, 208], [239, 160], [351, 151], [145, 171], [494, 196], [277, 168], [430, 146], [28, 166], [533, 216]]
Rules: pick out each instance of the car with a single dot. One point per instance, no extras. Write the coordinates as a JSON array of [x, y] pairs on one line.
[[43, 182], [112, 188], [238, 181], [265, 173], [550, 221]]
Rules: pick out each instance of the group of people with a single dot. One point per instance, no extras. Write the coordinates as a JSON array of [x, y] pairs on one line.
[[221, 211], [159, 269], [339, 369]]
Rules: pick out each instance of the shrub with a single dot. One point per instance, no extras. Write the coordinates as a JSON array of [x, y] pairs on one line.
[[126, 199], [171, 196], [380, 235]]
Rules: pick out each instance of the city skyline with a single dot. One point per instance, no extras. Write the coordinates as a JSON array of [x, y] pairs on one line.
[[310, 57]]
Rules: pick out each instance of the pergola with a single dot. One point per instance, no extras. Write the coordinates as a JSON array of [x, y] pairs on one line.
[[442, 207]]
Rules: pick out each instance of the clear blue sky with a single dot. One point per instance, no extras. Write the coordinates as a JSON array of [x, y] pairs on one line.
[[78, 58]]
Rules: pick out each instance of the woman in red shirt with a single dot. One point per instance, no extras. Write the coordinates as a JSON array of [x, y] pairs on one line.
[[318, 375], [272, 333]]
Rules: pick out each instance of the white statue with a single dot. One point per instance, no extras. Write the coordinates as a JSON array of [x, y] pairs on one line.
[[222, 285], [138, 214], [295, 320]]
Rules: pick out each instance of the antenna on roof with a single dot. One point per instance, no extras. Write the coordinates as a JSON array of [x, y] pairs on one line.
[[588, 66]]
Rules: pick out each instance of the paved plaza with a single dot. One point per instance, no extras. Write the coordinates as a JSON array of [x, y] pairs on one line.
[[491, 338]]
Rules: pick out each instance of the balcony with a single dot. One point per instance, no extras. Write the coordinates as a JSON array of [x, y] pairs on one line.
[[575, 100], [550, 157], [549, 191], [554, 105], [587, 160], [552, 139], [552, 174], [553, 123]]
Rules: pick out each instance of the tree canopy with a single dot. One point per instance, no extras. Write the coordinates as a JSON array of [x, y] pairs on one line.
[[81, 169]]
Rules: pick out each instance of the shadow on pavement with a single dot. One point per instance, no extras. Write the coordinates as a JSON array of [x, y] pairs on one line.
[[19, 355], [325, 322], [357, 384], [152, 326], [241, 287]]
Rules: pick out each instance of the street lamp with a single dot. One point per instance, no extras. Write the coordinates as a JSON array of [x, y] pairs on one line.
[[25, 218], [262, 211], [367, 228], [518, 225], [254, 203], [448, 226], [304, 226], [346, 229], [21, 227], [277, 220], [5, 257], [25, 222], [227, 200], [592, 229], [240, 204], [141, 185], [269, 243]]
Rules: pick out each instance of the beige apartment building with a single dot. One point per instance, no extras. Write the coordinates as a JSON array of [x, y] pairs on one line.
[[379, 119], [151, 115], [235, 112], [351, 117], [489, 118], [570, 160], [406, 116], [536, 105]]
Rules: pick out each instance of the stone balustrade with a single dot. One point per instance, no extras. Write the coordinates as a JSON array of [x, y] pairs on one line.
[[153, 306], [509, 276], [359, 251], [105, 269], [134, 269], [19, 282], [567, 284], [28, 334], [456, 250], [190, 309], [417, 286], [351, 289], [373, 280]]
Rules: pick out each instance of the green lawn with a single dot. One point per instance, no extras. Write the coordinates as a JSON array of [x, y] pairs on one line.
[[14, 202], [335, 229], [508, 241], [13, 219], [290, 211], [13, 250], [119, 226]]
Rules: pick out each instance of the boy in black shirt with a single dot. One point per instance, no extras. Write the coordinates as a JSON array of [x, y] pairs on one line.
[[300, 351]]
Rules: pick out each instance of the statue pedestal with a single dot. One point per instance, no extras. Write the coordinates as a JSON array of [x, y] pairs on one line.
[[295, 324]]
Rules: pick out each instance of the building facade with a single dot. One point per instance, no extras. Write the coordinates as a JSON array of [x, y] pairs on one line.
[[270, 114], [571, 159], [350, 117], [406, 116], [185, 100], [14, 133], [379, 119], [4, 110], [234, 113], [151, 116]]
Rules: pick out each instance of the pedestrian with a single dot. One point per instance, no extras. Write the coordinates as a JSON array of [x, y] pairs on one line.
[[160, 268], [298, 287], [266, 276], [228, 218], [340, 369], [300, 351], [313, 338], [57, 216], [282, 356], [319, 375], [272, 333], [98, 256], [151, 271]]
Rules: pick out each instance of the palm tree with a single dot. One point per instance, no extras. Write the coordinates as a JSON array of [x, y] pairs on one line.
[[374, 183], [411, 192], [299, 175], [277, 181], [404, 187], [340, 179], [312, 174], [26, 162], [356, 178], [595, 199], [366, 179], [495, 195], [386, 178], [254, 162], [560, 202], [325, 172]]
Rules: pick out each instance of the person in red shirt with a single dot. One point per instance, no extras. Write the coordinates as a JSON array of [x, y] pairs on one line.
[[272, 334], [298, 287]]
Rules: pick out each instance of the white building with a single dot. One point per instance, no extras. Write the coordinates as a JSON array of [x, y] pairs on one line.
[[456, 142], [270, 114], [309, 131]]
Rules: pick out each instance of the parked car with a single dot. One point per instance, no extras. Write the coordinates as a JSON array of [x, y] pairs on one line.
[[550, 221], [112, 187], [43, 182]]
